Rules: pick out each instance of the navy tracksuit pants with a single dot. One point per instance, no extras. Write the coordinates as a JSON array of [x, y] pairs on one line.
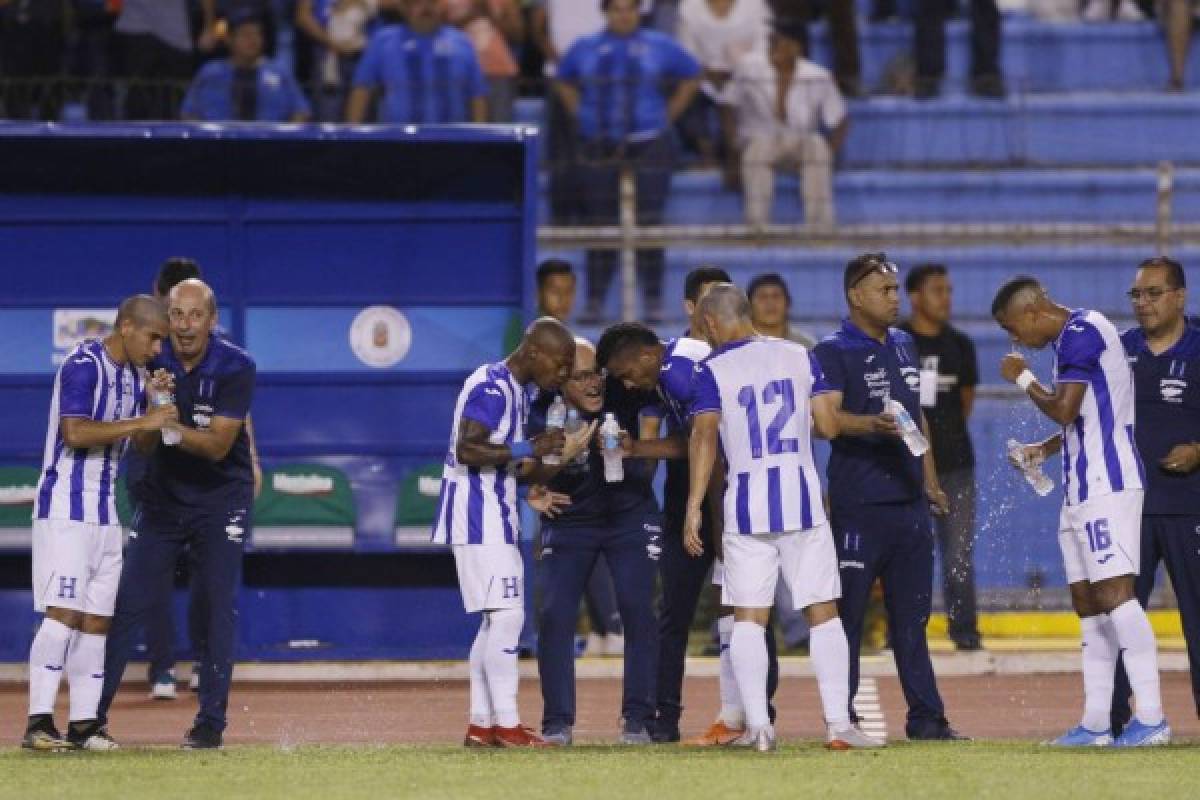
[[160, 627], [1174, 540], [147, 578], [630, 545], [894, 542]]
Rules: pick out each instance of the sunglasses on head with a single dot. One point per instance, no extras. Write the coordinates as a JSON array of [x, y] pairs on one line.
[[871, 267]]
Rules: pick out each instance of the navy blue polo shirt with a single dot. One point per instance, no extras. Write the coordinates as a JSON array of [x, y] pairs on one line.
[[865, 470], [1167, 397], [596, 503], [221, 385]]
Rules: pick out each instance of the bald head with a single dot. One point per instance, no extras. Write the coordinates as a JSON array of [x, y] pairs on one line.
[[549, 336], [194, 289], [141, 310]]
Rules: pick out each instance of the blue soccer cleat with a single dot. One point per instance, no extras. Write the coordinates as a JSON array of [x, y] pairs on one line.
[[1139, 734], [1080, 736]]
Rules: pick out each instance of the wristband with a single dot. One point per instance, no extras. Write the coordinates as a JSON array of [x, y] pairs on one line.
[[1025, 380], [520, 450]]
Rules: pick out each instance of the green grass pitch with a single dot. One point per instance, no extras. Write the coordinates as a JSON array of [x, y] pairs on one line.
[[922, 771]]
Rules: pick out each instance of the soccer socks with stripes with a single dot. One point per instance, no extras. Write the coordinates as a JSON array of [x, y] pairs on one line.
[[85, 674], [830, 653], [748, 651], [1132, 629], [1099, 651], [47, 656], [732, 713], [481, 701], [500, 663]]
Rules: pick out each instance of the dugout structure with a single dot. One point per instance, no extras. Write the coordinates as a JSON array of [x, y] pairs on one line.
[[368, 270]]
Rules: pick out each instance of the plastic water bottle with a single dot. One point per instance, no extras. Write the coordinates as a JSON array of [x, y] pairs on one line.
[[1032, 470], [574, 424], [916, 441], [556, 419], [614, 459], [171, 435]]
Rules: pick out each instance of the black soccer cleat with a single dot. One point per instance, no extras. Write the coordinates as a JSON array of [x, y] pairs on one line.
[[90, 735], [202, 737], [41, 735]]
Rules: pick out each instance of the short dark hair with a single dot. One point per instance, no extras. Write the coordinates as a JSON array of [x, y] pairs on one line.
[[768, 279], [700, 276], [174, 271], [620, 338], [1009, 290], [1174, 270], [553, 266], [920, 273], [861, 266]]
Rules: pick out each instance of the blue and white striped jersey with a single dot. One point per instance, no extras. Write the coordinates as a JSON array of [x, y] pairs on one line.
[[762, 388], [675, 379], [1099, 452], [77, 484], [478, 505]]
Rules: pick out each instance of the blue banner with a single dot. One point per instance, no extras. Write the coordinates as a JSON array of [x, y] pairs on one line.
[[376, 338]]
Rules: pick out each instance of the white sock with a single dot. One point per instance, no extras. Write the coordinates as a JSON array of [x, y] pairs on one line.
[[85, 674], [481, 701], [732, 713], [1099, 664], [1132, 629], [500, 663], [830, 653], [748, 652], [47, 656]]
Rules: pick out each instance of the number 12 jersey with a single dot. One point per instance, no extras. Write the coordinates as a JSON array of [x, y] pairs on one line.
[[762, 388]]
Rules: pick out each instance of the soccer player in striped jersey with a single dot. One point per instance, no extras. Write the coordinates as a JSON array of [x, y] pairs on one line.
[[1092, 398], [759, 397], [477, 514], [99, 402]]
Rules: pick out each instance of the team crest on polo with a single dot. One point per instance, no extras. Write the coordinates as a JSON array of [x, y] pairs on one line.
[[1172, 389], [380, 336]]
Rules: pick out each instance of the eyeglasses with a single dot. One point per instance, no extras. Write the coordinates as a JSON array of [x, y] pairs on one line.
[[871, 267], [1151, 293]]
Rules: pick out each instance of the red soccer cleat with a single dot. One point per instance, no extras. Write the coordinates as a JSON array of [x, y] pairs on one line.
[[478, 736], [520, 736]]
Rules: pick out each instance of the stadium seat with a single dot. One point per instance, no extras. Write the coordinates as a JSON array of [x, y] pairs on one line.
[[304, 506], [416, 506], [18, 489]]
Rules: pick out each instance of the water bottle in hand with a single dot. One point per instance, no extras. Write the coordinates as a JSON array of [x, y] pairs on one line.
[[614, 459], [1030, 468], [171, 435], [909, 430], [574, 424], [556, 419]]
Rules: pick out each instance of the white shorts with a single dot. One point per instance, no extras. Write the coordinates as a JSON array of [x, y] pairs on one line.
[[490, 576], [1102, 537], [76, 565], [805, 560]]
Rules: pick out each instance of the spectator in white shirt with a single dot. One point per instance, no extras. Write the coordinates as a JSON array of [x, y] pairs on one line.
[[718, 33], [788, 112]]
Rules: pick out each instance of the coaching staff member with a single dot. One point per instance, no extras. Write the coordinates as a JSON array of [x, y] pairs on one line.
[[1164, 353], [880, 493], [198, 494]]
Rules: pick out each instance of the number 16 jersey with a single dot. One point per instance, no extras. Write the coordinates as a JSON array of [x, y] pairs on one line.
[[762, 388]]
